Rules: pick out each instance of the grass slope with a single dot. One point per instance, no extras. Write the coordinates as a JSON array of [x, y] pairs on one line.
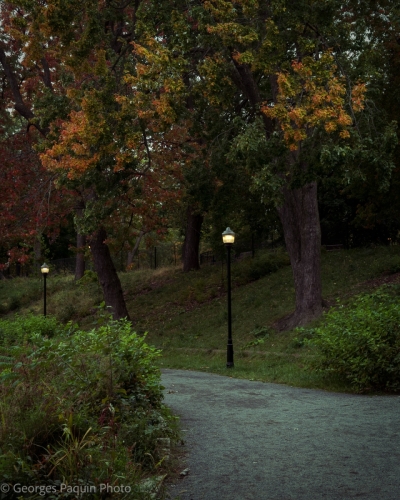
[[186, 314]]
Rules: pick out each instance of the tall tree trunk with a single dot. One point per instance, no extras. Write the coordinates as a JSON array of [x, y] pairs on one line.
[[299, 216], [131, 253], [80, 243], [300, 220], [80, 264], [191, 245], [37, 249], [107, 274]]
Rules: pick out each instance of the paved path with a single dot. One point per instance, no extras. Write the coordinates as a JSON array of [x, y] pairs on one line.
[[254, 441]]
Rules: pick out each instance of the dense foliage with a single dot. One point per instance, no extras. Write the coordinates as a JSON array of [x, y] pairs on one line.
[[80, 407], [360, 342], [23, 329], [143, 111]]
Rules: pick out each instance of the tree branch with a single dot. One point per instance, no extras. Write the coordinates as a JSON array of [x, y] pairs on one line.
[[19, 104], [46, 74]]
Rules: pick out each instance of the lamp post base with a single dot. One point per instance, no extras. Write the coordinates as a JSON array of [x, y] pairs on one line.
[[229, 356]]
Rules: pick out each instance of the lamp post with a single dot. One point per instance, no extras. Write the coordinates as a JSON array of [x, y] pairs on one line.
[[45, 271], [228, 237]]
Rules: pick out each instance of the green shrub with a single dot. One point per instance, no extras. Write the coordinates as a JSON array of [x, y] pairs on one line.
[[87, 278], [66, 313], [80, 405], [22, 328], [14, 302], [361, 342], [111, 361]]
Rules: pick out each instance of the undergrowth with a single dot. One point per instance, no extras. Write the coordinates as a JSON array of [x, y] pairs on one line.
[[81, 407], [360, 342]]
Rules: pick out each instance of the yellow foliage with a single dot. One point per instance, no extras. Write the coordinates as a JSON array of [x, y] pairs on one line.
[[310, 96]]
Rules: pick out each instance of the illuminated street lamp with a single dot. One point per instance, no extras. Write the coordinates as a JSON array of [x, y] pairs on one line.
[[228, 237], [45, 271]]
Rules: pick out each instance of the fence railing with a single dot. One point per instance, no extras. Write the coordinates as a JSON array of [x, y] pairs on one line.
[[240, 251], [166, 254]]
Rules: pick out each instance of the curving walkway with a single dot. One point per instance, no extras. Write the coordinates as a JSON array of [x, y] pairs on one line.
[[259, 441]]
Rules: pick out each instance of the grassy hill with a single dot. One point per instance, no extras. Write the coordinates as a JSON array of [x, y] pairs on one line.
[[186, 315]]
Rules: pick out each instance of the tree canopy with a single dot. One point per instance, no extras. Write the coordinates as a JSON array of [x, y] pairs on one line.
[[144, 109]]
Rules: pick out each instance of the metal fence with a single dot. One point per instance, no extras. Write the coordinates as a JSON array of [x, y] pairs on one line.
[[165, 254], [241, 250], [65, 266], [158, 256]]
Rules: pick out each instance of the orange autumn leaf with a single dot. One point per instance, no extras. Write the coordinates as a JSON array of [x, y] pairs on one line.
[[311, 96]]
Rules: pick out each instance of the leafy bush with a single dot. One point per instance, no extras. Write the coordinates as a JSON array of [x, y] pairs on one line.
[[361, 342], [88, 277], [22, 328], [80, 405], [109, 362]]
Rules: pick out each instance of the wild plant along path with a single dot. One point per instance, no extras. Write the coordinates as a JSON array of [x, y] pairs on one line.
[[256, 441]]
